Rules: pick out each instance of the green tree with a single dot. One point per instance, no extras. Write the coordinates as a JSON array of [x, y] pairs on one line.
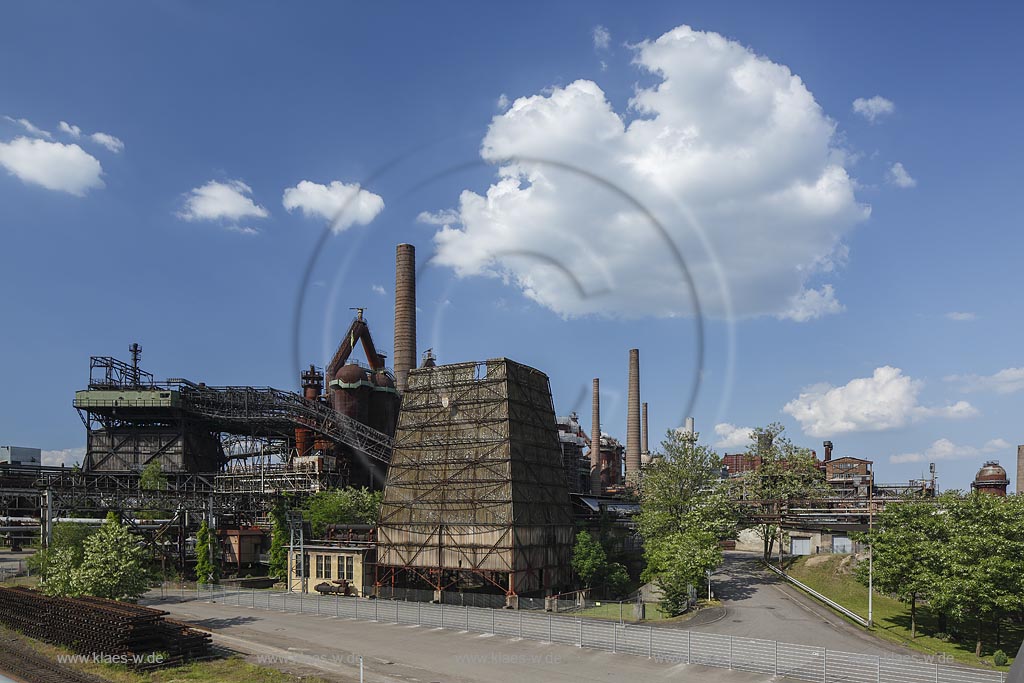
[[786, 472], [981, 580], [69, 536], [905, 544], [207, 555], [113, 565], [685, 510], [680, 563], [278, 559], [589, 560], [153, 477], [342, 506]]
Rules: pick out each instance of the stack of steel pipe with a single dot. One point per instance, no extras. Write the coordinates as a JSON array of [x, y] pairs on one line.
[[97, 626]]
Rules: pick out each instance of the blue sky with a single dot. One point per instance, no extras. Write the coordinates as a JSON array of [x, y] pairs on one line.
[[865, 302]]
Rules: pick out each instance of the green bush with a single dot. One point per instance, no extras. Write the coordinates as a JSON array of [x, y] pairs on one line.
[[999, 658]]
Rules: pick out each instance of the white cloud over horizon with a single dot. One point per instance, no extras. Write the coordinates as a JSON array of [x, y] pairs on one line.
[[944, 449], [886, 400], [602, 37], [961, 316], [53, 165], [873, 108], [1006, 381], [109, 141], [731, 436], [64, 456], [341, 204], [226, 202], [726, 138]]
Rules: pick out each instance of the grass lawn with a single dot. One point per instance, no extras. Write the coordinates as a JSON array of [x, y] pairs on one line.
[[610, 610], [227, 670], [830, 576]]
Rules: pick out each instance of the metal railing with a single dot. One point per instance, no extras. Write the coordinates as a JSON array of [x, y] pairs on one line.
[[666, 645], [828, 601]]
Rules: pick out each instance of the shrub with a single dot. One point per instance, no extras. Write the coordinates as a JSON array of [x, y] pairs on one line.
[[999, 658]]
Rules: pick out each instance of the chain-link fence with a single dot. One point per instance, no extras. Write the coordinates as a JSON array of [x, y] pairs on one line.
[[668, 645]]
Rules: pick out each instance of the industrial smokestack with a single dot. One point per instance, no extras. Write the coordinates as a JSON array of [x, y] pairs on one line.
[[689, 428], [405, 314], [644, 450], [1020, 469], [633, 417], [828, 450], [595, 441]]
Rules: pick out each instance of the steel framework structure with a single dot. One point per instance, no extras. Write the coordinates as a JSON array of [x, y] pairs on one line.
[[476, 484]]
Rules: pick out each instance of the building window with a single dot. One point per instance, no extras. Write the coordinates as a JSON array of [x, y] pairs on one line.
[[345, 567], [327, 566], [319, 566], [348, 568]]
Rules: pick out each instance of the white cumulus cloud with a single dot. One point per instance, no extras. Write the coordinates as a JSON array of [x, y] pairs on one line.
[[897, 175], [731, 436], [228, 202], [69, 129], [886, 400], [961, 316], [873, 108], [55, 166], [109, 141], [1006, 381], [810, 304], [729, 150], [602, 38], [344, 205], [379, 289], [30, 127]]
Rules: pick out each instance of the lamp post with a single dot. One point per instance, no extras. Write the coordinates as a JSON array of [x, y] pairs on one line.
[[871, 557]]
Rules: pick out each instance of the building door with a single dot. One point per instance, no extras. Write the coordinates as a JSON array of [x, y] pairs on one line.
[[842, 544], [800, 546]]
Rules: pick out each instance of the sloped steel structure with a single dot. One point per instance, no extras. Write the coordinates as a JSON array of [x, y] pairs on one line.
[[476, 488]]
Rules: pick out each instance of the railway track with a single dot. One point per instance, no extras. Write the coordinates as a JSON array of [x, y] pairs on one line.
[[19, 660]]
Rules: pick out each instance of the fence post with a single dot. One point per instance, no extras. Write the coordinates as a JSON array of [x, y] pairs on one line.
[[549, 629], [376, 610], [650, 642], [397, 615], [615, 635], [492, 622], [337, 605], [937, 672], [466, 608], [318, 596], [419, 614], [688, 660], [730, 652], [520, 623], [442, 615], [581, 632], [284, 607]]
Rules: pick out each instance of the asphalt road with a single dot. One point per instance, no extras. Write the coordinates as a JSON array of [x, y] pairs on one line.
[[329, 647], [758, 604]]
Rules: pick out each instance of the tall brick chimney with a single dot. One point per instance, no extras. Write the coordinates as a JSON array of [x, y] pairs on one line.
[[633, 418], [1020, 469], [828, 450], [405, 314], [595, 441]]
